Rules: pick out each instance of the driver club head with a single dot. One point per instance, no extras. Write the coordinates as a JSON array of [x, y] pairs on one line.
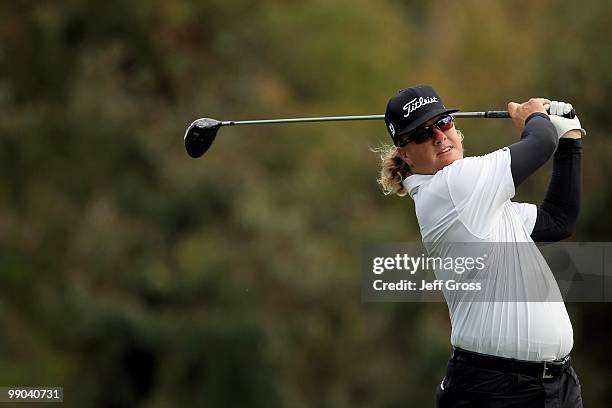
[[200, 135]]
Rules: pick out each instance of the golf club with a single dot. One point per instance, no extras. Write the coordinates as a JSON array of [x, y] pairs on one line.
[[202, 132]]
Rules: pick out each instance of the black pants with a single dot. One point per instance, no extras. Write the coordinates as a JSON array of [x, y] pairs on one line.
[[466, 385]]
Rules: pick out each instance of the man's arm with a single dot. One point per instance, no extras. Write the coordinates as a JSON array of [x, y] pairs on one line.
[[558, 212], [538, 143], [538, 138], [557, 215]]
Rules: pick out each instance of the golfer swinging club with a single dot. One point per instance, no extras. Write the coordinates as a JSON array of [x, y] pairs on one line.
[[504, 354]]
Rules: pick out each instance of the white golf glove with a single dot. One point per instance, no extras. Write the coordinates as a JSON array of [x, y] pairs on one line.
[[563, 125]]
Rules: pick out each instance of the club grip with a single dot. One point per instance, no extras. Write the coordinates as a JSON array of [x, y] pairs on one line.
[[497, 114], [505, 114]]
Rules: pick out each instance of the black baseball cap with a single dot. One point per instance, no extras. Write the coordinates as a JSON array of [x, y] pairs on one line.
[[411, 108]]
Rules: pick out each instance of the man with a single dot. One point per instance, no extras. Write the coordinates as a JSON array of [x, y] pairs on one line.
[[506, 352]]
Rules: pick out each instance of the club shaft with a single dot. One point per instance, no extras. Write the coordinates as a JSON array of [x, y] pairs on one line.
[[487, 114], [301, 120]]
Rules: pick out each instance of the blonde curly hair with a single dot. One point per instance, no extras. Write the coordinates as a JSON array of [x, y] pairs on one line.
[[393, 170]]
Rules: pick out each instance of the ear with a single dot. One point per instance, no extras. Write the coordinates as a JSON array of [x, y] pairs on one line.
[[403, 153]]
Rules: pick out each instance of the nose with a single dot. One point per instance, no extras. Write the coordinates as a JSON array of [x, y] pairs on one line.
[[438, 136]]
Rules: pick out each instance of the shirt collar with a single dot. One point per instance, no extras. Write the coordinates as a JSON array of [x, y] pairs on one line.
[[414, 181]]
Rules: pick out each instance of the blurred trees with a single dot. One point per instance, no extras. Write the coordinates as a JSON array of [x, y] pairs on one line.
[[133, 275]]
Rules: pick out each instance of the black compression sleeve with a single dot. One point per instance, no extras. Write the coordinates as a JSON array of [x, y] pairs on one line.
[[558, 212], [538, 143]]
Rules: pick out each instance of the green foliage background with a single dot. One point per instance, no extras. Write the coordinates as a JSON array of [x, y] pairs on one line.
[[132, 275]]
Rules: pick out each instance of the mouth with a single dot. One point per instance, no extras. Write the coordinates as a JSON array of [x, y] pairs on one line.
[[445, 150]]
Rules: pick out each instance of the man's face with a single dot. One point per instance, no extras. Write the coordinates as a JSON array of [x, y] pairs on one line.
[[434, 154]]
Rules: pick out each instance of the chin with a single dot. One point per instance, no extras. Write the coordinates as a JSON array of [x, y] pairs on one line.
[[445, 162]]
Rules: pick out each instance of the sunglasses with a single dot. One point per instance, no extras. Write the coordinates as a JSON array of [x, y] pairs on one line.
[[423, 134]]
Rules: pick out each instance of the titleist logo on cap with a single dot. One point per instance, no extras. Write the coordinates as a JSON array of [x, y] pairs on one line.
[[416, 103]]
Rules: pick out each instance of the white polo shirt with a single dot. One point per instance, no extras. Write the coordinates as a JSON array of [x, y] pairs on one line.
[[469, 201]]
